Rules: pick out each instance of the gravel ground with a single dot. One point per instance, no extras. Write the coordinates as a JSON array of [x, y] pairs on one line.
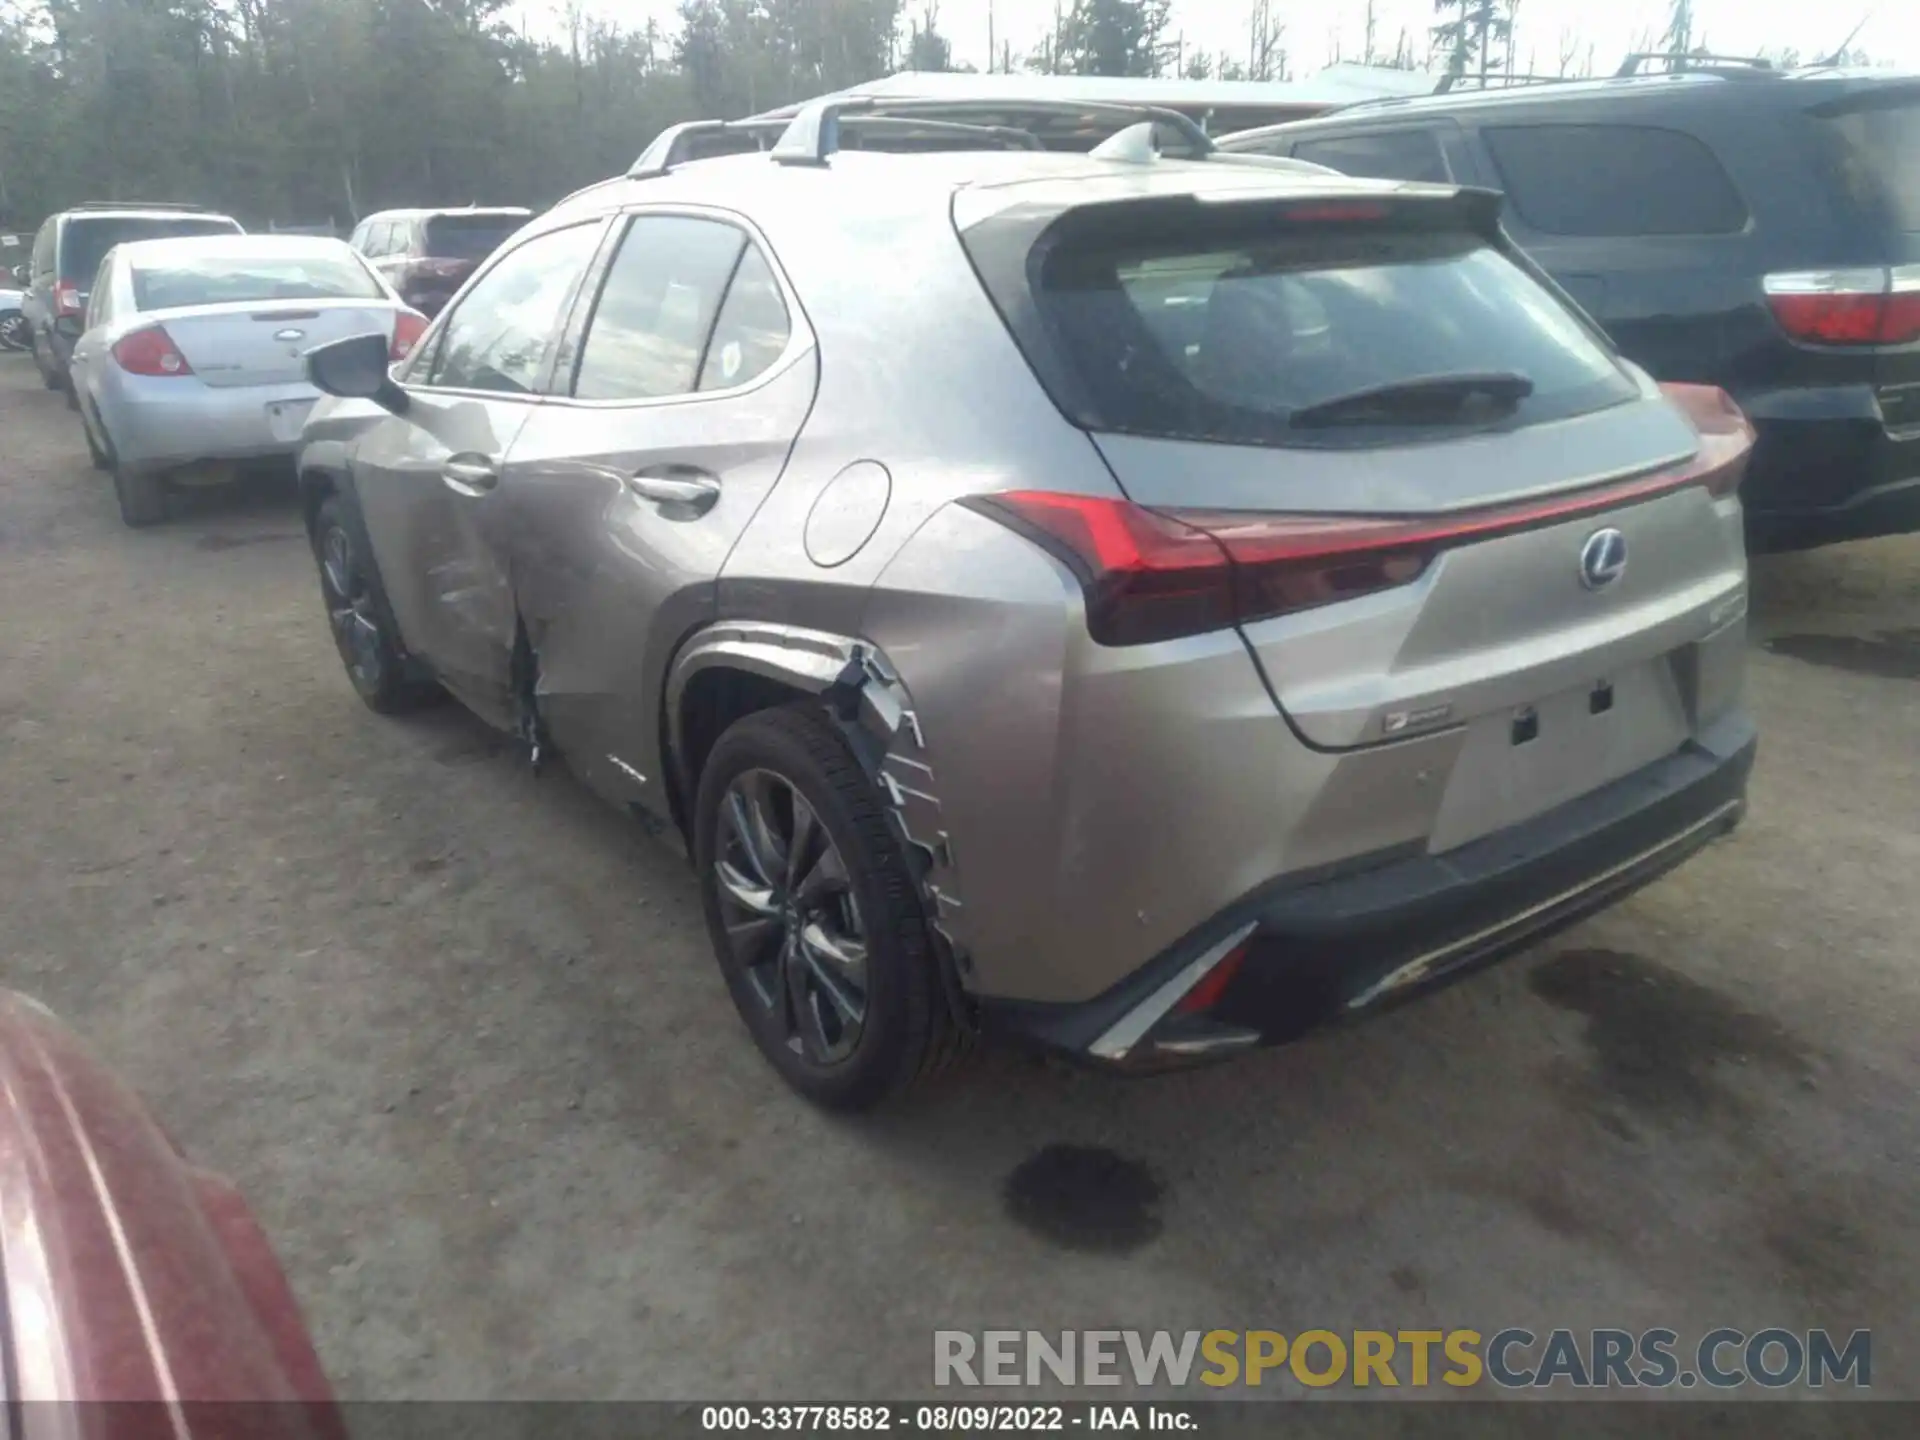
[[455, 1032]]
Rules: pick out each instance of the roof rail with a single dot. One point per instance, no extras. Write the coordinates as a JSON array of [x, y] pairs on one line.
[[1499, 80], [143, 205], [1729, 65], [677, 143], [814, 133]]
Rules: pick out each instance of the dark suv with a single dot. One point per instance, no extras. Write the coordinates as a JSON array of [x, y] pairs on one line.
[[1732, 225], [67, 253], [426, 255]]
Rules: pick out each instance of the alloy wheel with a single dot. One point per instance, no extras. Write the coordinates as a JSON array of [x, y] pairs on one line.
[[791, 921], [14, 334], [356, 630]]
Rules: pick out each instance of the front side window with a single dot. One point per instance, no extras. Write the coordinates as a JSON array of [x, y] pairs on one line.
[[1614, 180], [498, 336], [1380, 155], [648, 335]]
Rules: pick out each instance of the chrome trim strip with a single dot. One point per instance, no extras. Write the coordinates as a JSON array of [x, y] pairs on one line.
[[1126, 1032], [1419, 968]]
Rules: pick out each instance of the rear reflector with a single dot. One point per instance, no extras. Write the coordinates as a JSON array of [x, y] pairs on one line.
[[150, 351], [1870, 306], [1150, 575], [408, 327], [1212, 985]]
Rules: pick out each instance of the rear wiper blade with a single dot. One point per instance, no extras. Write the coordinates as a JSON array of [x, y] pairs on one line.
[[1422, 400]]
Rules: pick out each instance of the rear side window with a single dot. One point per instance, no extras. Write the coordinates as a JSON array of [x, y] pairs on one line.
[[648, 335], [1381, 155], [1876, 158], [1614, 180], [1243, 342], [469, 237], [89, 238], [753, 327], [230, 278]]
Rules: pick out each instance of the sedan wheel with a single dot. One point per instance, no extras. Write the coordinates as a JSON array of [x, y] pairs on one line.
[[14, 334]]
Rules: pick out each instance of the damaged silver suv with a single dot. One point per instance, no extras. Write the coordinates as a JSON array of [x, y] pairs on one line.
[[1148, 602]]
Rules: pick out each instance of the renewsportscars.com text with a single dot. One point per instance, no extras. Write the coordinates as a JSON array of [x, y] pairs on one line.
[[1514, 1358]]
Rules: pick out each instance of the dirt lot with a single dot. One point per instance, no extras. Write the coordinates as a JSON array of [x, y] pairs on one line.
[[455, 1032]]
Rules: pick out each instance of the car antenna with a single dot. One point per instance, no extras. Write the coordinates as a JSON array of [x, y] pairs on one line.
[[1840, 54]]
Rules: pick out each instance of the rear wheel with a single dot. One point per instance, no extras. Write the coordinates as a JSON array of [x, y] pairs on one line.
[[814, 915], [96, 452], [14, 332], [367, 647], [143, 497]]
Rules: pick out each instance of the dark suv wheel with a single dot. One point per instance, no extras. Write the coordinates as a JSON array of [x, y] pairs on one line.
[[814, 915], [371, 652]]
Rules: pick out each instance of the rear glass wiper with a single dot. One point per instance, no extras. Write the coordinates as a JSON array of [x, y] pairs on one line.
[[1422, 400]]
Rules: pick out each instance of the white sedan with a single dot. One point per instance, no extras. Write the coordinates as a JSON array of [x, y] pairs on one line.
[[194, 351]]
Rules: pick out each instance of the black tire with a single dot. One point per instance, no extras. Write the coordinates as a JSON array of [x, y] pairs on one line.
[[14, 332], [73, 396], [143, 497], [100, 458], [374, 659], [48, 376], [908, 1032]]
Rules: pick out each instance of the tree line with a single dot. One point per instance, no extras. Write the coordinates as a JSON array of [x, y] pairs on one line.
[[321, 111]]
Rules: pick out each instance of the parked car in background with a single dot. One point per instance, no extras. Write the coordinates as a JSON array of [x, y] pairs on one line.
[[1150, 606], [67, 253], [426, 255], [127, 1273], [13, 317], [1731, 225], [192, 351]]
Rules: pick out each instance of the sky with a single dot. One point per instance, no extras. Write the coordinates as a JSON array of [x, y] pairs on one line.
[[1314, 27]]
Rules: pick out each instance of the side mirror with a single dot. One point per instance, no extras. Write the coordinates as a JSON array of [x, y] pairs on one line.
[[356, 369], [23, 274]]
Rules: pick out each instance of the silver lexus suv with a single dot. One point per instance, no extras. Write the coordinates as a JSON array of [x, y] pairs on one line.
[[1146, 602]]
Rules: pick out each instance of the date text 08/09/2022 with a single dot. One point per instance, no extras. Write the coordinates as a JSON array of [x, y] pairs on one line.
[[945, 1419]]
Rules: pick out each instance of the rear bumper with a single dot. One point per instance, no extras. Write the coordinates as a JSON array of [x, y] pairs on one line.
[[163, 424], [1827, 468], [1374, 933]]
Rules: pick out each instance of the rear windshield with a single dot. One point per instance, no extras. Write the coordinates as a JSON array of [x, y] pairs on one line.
[[239, 279], [1876, 158], [469, 237], [87, 239], [1231, 342]]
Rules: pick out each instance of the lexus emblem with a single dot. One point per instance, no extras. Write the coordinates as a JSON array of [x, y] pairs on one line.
[[289, 334], [1603, 559]]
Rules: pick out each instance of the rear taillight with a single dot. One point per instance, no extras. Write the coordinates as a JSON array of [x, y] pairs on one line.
[[1871, 306], [1726, 436], [1152, 575], [408, 327], [66, 299], [150, 351]]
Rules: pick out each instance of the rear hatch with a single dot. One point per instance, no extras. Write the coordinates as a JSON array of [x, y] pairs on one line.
[[249, 319], [456, 244], [87, 239], [1446, 505], [1868, 139]]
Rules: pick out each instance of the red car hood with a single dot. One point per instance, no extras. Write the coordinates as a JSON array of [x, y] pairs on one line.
[[128, 1274]]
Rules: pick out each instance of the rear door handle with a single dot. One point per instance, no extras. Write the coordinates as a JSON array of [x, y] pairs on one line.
[[471, 475], [677, 486]]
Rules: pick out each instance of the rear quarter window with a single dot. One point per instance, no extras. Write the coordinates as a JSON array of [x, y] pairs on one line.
[[1875, 158], [1381, 155], [1614, 180]]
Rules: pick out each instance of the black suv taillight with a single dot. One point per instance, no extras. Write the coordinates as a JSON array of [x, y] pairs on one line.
[[1874, 305]]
